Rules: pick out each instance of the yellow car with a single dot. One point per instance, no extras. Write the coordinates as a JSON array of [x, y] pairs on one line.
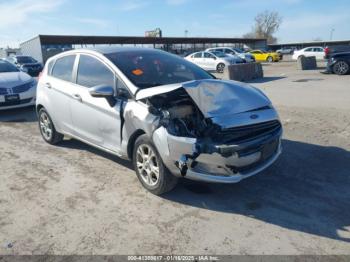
[[260, 55]]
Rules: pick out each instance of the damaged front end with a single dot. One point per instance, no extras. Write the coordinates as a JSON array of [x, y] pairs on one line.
[[214, 131]]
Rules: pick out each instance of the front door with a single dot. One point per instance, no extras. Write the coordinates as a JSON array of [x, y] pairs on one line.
[[209, 61], [95, 119]]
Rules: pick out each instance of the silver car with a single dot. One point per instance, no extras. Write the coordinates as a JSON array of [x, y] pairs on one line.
[[233, 52], [17, 89], [213, 61], [170, 117]]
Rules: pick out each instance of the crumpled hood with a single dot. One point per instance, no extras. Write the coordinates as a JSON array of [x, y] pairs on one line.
[[215, 98], [11, 79]]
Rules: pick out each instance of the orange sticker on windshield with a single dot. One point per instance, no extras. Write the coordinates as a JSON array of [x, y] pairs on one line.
[[137, 72]]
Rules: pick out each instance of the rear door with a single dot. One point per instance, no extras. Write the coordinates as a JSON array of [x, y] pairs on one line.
[[96, 120], [308, 52], [58, 88]]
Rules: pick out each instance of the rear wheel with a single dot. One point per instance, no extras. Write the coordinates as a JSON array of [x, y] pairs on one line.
[[341, 68], [220, 68], [47, 128], [269, 59], [150, 169]]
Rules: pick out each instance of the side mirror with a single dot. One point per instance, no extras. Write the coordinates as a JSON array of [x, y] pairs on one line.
[[214, 58], [102, 91]]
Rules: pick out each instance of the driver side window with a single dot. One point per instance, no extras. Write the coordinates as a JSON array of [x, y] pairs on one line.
[[92, 72]]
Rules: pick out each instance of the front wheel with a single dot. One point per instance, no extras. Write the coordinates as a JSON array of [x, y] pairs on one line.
[[150, 169], [47, 128], [269, 59], [220, 68], [341, 68]]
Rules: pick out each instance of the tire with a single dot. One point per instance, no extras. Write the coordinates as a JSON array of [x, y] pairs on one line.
[[147, 161], [47, 128], [341, 68], [269, 59], [220, 68]]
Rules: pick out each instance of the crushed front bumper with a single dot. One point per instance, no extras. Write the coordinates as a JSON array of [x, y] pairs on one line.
[[210, 162]]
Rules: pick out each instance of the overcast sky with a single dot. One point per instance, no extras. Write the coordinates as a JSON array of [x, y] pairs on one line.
[[303, 20]]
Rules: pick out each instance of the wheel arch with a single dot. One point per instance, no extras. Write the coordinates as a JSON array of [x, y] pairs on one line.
[[38, 107], [132, 140]]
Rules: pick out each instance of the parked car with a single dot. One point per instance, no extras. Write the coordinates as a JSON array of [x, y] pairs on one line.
[[339, 63], [213, 61], [169, 116], [261, 55], [26, 64], [17, 89], [331, 50], [316, 51], [286, 50], [233, 52]]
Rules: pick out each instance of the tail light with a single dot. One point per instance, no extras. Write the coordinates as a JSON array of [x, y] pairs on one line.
[[327, 51]]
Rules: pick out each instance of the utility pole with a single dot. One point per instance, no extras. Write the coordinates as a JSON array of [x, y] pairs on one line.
[[186, 33]]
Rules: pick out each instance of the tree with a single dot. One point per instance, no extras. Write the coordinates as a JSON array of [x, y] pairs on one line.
[[266, 24]]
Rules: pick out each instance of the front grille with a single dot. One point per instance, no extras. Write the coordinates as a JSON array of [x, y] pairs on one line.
[[21, 88], [3, 91], [15, 103], [16, 89], [246, 133]]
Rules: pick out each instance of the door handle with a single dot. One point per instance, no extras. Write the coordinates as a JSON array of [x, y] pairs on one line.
[[48, 85], [77, 97]]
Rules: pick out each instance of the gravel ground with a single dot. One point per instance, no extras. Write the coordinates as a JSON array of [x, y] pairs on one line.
[[73, 199]]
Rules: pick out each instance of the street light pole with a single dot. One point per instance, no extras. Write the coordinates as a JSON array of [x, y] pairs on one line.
[[332, 30]]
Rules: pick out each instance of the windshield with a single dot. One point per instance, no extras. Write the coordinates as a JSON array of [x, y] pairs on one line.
[[218, 53], [238, 50], [148, 68], [6, 67], [25, 60]]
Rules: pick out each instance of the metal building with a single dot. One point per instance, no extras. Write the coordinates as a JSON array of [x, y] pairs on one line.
[[300, 45], [42, 47], [6, 52]]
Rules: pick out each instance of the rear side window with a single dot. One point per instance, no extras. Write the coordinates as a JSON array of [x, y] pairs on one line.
[[197, 55], [92, 72], [63, 68]]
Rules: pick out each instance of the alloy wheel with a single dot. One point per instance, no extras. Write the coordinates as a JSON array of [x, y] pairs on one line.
[[220, 68], [147, 164], [45, 126], [341, 68]]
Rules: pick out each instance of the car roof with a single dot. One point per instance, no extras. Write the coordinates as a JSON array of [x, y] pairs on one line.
[[314, 47], [111, 50]]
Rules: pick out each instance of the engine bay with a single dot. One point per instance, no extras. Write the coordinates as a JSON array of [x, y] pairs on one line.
[[181, 116]]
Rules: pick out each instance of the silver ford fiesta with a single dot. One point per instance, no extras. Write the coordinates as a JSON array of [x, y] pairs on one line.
[[170, 117], [17, 89]]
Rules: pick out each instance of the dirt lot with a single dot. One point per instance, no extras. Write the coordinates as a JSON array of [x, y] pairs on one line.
[[73, 199]]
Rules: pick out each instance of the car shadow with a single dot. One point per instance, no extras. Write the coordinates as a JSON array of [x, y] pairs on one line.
[[25, 114], [306, 190], [76, 144], [265, 79]]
